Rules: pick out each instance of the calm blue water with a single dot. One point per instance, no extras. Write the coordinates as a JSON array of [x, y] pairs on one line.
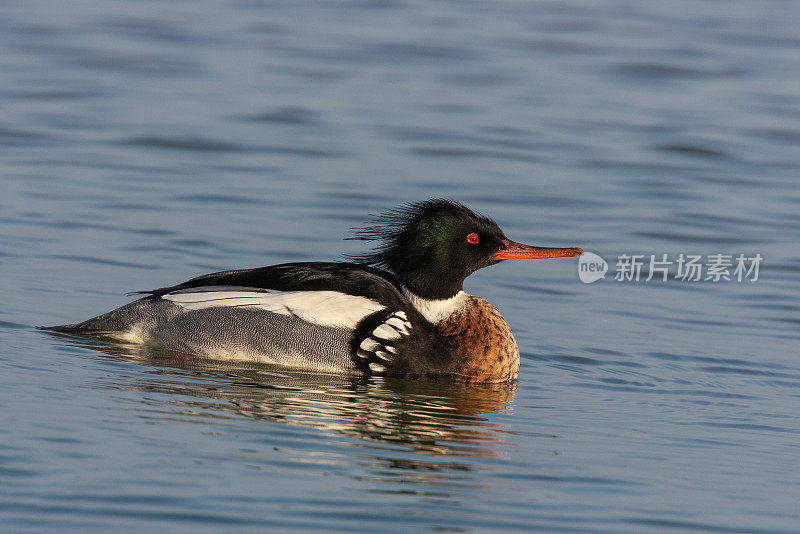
[[143, 143]]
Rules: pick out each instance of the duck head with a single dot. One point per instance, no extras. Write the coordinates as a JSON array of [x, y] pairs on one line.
[[433, 245]]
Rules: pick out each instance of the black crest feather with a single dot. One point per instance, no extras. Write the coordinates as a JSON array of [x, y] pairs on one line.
[[390, 226]]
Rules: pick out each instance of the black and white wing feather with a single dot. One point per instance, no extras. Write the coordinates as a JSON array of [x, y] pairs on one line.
[[338, 295], [380, 348], [347, 278], [323, 308]]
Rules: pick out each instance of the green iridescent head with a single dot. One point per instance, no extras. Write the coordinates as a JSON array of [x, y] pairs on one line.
[[432, 246]]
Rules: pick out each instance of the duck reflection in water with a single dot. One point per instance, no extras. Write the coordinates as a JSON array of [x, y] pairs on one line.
[[428, 417]]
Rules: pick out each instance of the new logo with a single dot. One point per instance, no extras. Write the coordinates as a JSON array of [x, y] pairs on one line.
[[591, 267]]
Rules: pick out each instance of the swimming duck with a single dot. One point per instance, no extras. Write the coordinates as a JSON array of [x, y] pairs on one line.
[[399, 311]]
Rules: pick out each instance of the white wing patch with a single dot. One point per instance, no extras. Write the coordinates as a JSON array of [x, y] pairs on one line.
[[324, 308]]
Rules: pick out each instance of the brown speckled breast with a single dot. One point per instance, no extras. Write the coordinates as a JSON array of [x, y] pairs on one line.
[[484, 349]]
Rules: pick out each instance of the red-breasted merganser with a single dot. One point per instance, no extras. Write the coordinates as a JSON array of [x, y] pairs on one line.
[[400, 311]]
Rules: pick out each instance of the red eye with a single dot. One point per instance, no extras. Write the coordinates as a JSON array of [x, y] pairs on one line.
[[473, 238]]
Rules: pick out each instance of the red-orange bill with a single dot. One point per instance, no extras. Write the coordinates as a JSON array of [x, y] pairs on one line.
[[518, 251]]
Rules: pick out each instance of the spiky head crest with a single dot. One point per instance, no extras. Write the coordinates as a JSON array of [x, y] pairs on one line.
[[430, 246]]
